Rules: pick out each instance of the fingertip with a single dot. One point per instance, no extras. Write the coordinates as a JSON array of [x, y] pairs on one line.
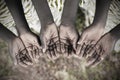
[[44, 48]]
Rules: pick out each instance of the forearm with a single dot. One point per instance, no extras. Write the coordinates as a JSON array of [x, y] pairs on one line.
[[115, 32], [69, 11], [6, 34], [101, 12], [43, 12], [16, 9]]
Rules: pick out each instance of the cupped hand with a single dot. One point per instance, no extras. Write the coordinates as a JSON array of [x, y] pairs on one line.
[[19, 52], [68, 39], [50, 40], [103, 47], [88, 39], [25, 49], [32, 41]]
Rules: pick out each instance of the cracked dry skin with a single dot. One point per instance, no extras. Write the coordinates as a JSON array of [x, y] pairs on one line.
[[24, 56], [64, 68]]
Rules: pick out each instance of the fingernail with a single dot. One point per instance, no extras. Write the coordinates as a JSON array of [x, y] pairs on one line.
[[44, 50]]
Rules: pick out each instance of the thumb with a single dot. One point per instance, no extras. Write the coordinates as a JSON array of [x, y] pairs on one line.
[[44, 45], [81, 39], [75, 43], [13, 55]]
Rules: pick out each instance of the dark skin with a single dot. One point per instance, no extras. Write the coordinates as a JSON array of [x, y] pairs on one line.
[[53, 40], [28, 38], [49, 32], [67, 30], [65, 39], [103, 47], [16, 46], [88, 37]]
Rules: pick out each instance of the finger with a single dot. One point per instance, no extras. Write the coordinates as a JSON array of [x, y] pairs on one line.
[[81, 39], [88, 45], [31, 52], [96, 62], [70, 49], [102, 55], [53, 54], [91, 50], [90, 53], [37, 52], [82, 50], [63, 48], [27, 52], [91, 59], [55, 50], [75, 43], [67, 52], [58, 47], [40, 51], [44, 45], [36, 56], [97, 57], [22, 64], [25, 63], [78, 49], [48, 54]]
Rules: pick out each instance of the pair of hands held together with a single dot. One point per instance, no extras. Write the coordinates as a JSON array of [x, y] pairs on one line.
[[93, 45], [63, 40]]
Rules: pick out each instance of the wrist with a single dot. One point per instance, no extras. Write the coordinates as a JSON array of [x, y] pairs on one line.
[[115, 34], [48, 25], [11, 38], [67, 22], [100, 26]]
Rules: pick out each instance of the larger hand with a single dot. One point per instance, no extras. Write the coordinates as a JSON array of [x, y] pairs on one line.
[[103, 47], [89, 37]]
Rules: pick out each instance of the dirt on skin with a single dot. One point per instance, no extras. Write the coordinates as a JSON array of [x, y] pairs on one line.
[[62, 68]]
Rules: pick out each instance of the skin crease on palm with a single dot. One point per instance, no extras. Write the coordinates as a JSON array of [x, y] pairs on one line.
[[49, 32], [68, 39], [67, 30], [103, 47], [17, 48], [26, 37], [88, 36], [49, 39], [26, 47]]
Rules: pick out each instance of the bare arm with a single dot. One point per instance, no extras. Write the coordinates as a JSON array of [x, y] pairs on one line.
[[101, 12], [6, 34], [104, 46], [44, 12], [69, 11], [116, 32], [16, 9], [49, 33], [68, 32]]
